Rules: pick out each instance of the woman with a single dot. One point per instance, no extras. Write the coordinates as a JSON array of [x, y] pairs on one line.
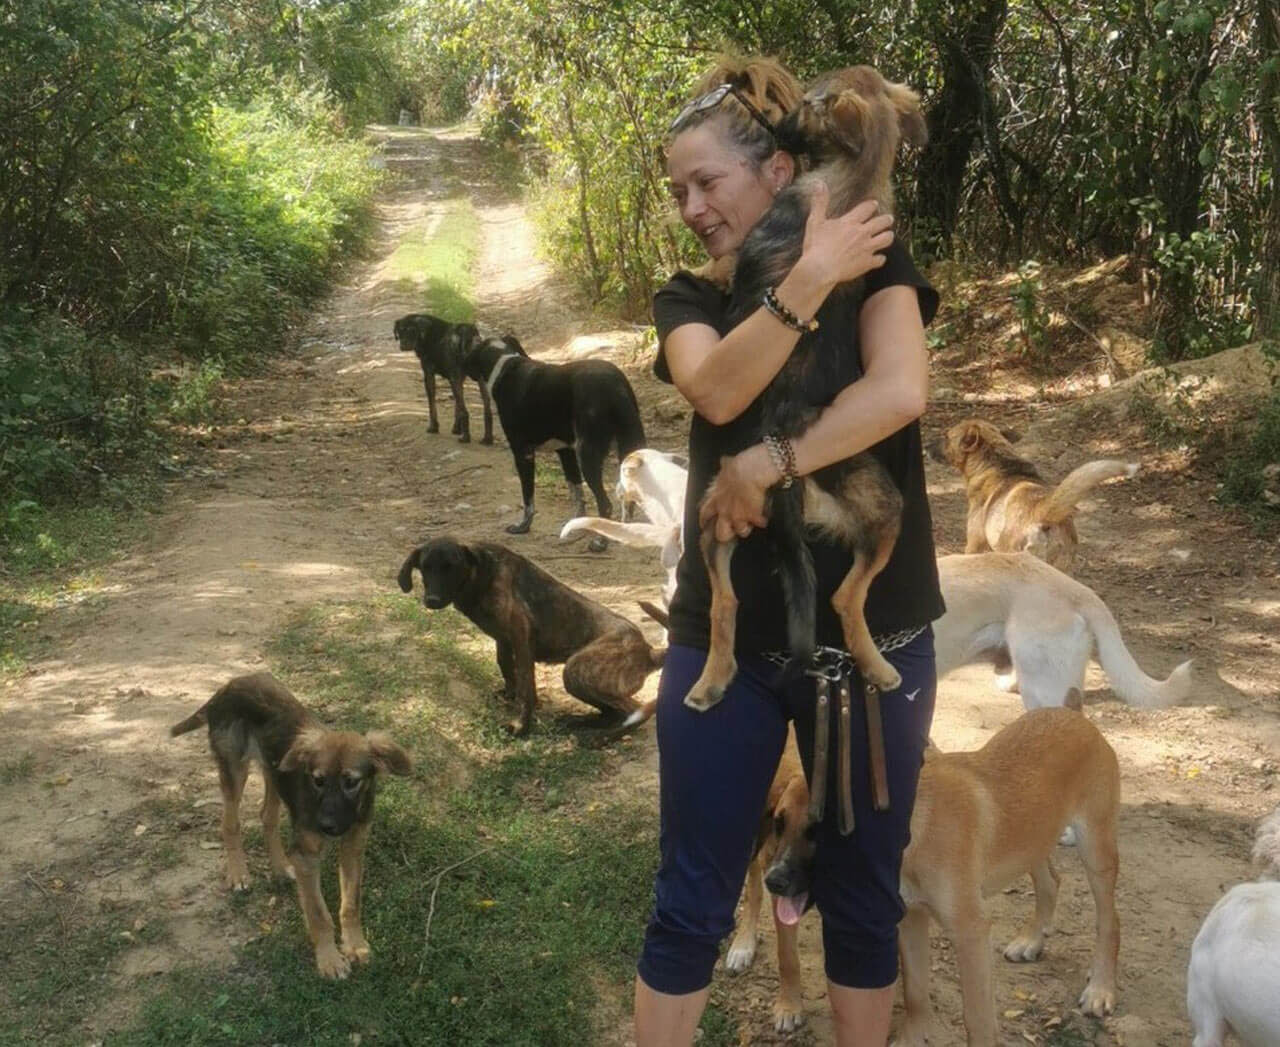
[[725, 168]]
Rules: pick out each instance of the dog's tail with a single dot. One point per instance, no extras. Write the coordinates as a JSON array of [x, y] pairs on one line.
[[1079, 482], [1266, 846], [799, 580], [1124, 674], [643, 713], [638, 535], [656, 613], [197, 719]]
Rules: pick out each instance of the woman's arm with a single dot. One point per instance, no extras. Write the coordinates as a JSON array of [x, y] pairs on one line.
[[721, 377], [891, 393]]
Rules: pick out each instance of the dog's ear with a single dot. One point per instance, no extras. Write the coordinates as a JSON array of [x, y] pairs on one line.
[[1012, 435], [302, 751], [399, 326], [387, 756], [405, 578], [850, 116], [970, 438], [512, 343], [911, 122]]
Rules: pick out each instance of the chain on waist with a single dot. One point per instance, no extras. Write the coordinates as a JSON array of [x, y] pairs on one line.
[[832, 661]]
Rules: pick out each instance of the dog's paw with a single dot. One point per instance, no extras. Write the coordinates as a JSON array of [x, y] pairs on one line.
[[331, 963], [1007, 682], [788, 1013], [487, 440], [236, 876], [912, 1034], [1069, 838], [356, 950], [1024, 949], [518, 727], [885, 677], [1098, 1000], [704, 697], [433, 427], [464, 438], [740, 955]]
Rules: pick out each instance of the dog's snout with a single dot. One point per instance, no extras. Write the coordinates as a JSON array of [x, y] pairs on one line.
[[778, 880], [435, 601]]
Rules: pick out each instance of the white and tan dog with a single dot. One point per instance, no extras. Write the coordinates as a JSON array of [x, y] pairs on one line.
[[1049, 624], [1233, 979], [654, 482], [981, 820]]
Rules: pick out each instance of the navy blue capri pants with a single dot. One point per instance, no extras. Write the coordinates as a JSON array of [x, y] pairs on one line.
[[715, 769]]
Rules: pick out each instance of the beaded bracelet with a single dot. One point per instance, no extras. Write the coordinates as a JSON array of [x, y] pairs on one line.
[[786, 315], [783, 456]]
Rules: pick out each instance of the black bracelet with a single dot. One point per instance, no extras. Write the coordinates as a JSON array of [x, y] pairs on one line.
[[786, 315], [783, 456]]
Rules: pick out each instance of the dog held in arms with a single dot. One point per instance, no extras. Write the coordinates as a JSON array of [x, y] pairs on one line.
[[1011, 508], [533, 617], [1233, 979], [440, 347], [327, 780], [981, 820], [849, 123], [581, 408]]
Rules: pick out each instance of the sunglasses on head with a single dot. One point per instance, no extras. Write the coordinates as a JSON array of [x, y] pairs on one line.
[[712, 99]]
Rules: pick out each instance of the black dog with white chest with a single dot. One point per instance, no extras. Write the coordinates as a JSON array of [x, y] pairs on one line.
[[580, 408], [440, 347]]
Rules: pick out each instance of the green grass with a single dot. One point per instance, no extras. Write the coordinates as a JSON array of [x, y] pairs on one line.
[[50, 557], [1244, 481], [19, 770], [439, 260], [536, 891]]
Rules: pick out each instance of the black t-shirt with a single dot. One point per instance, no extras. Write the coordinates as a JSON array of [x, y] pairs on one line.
[[905, 594]]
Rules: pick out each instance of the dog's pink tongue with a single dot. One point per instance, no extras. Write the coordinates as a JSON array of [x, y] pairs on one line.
[[789, 910]]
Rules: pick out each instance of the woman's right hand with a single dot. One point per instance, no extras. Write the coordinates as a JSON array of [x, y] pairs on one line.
[[839, 249]]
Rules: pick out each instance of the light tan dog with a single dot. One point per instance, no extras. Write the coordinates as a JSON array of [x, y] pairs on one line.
[[1011, 508], [981, 820], [785, 810]]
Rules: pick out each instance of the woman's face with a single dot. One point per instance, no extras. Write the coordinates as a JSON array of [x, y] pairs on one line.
[[720, 195]]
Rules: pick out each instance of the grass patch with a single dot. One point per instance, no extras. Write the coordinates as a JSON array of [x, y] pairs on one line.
[[49, 561], [439, 261], [502, 899], [19, 770], [1252, 475]]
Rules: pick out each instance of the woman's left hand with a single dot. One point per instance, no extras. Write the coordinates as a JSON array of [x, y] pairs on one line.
[[735, 499]]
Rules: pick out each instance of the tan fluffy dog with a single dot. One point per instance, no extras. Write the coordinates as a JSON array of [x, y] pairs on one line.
[[1011, 508], [981, 820]]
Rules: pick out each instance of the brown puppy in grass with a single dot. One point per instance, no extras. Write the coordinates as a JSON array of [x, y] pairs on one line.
[[327, 780], [981, 820], [847, 129], [1011, 508]]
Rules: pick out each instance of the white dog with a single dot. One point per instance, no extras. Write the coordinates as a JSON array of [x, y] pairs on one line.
[[1049, 623], [1233, 979], [654, 482]]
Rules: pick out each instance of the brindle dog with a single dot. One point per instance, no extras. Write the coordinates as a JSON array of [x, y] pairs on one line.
[[848, 127], [533, 617], [327, 780], [1011, 508]]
